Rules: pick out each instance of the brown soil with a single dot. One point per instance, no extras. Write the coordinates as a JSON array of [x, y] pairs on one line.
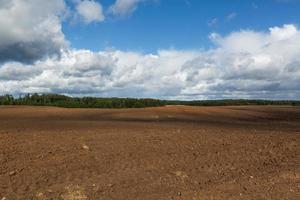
[[176, 152]]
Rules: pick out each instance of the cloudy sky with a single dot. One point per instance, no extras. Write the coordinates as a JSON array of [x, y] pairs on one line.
[[170, 49]]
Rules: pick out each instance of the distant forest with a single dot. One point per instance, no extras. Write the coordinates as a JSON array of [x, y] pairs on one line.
[[93, 102]]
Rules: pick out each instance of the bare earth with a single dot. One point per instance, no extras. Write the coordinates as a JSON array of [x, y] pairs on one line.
[[176, 152]]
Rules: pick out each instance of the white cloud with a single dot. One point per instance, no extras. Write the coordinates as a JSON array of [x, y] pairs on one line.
[[213, 22], [30, 29], [124, 7], [231, 16], [90, 11], [287, 32], [18, 72]]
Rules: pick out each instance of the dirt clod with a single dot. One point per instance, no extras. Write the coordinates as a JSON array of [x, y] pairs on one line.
[[12, 173]]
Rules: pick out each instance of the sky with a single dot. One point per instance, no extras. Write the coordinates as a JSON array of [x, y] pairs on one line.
[[168, 49]]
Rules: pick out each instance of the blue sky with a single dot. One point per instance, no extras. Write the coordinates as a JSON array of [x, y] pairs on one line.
[[180, 24], [168, 49]]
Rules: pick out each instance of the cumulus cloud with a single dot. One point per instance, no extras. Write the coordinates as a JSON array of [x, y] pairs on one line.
[[124, 7], [267, 67], [18, 72], [30, 30], [90, 11]]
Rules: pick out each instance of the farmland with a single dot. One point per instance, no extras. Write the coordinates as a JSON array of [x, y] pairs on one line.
[[171, 152]]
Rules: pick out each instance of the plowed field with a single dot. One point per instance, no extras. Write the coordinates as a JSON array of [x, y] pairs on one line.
[[168, 153]]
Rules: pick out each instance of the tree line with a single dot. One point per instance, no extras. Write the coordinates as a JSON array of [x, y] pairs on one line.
[[235, 102], [76, 102], [94, 102]]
